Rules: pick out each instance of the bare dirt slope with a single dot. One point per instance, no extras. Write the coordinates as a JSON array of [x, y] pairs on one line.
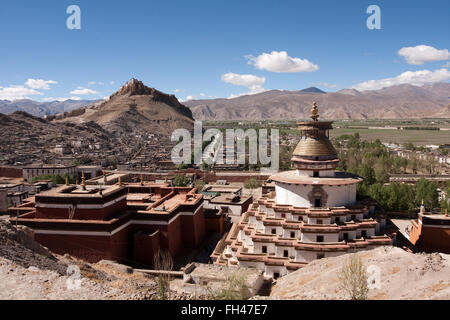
[[403, 276], [29, 271]]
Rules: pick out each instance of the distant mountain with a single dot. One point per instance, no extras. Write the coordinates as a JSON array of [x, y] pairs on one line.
[[134, 108], [312, 90], [396, 102], [41, 109]]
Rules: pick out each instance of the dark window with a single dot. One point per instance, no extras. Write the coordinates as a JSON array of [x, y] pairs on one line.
[[264, 249], [292, 234], [276, 275], [319, 221], [320, 255], [316, 174], [363, 233], [353, 217], [283, 215], [285, 253], [317, 203], [274, 231], [345, 236], [319, 239], [337, 220]]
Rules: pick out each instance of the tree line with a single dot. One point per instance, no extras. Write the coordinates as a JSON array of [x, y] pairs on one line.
[[373, 162]]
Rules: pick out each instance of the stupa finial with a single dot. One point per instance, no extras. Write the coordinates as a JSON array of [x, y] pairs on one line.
[[315, 112]]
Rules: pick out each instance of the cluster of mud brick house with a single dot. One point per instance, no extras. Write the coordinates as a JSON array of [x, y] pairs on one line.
[[127, 223]]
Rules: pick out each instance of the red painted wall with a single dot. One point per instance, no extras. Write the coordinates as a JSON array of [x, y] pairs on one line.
[[11, 172]]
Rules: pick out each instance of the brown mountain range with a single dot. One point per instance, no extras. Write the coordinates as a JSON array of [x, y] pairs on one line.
[[134, 108], [396, 102]]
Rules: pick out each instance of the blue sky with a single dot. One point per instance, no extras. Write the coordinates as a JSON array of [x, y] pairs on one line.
[[218, 48]]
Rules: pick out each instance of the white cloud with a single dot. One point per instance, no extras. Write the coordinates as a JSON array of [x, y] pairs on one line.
[[190, 98], [17, 92], [98, 83], [279, 61], [39, 84], [447, 65], [418, 55], [50, 99], [252, 82], [202, 94], [112, 83], [327, 85], [177, 90], [83, 91], [417, 78]]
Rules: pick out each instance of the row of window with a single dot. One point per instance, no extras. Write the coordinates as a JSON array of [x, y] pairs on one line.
[[319, 255], [320, 221], [320, 238]]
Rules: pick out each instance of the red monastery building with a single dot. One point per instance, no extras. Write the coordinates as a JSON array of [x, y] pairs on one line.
[[126, 223], [313, 213]]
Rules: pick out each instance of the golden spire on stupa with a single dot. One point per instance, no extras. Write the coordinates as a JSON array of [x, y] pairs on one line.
[[314, 112]]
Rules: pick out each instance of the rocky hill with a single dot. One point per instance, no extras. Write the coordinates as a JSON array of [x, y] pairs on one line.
[[403, 276], [132, 123], [396, 102], [134, 108]]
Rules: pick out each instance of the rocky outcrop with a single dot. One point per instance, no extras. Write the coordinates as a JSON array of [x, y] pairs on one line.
[[135, 109], [403, 275]]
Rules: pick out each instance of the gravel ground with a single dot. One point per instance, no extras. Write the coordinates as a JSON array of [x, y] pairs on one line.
[[29, 271], [403, 275]]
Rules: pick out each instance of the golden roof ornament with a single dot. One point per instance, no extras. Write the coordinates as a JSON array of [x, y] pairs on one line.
[[142, 180], [120, 181], [314, 112], [67, 180]]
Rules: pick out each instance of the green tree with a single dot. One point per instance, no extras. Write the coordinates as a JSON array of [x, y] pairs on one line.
[[427, 191], [252, 183], [181, 180], [367, 173], [381, 175], [183, 166], [199, 184]]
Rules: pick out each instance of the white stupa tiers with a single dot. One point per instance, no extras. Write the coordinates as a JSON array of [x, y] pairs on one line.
[[313, 212]]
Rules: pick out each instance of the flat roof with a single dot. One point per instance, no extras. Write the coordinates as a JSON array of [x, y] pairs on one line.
[[76, 191], [172, 202], [340, 178], [226, 198]]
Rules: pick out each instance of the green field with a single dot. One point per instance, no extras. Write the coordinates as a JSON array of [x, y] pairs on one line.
[[417, 137]]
